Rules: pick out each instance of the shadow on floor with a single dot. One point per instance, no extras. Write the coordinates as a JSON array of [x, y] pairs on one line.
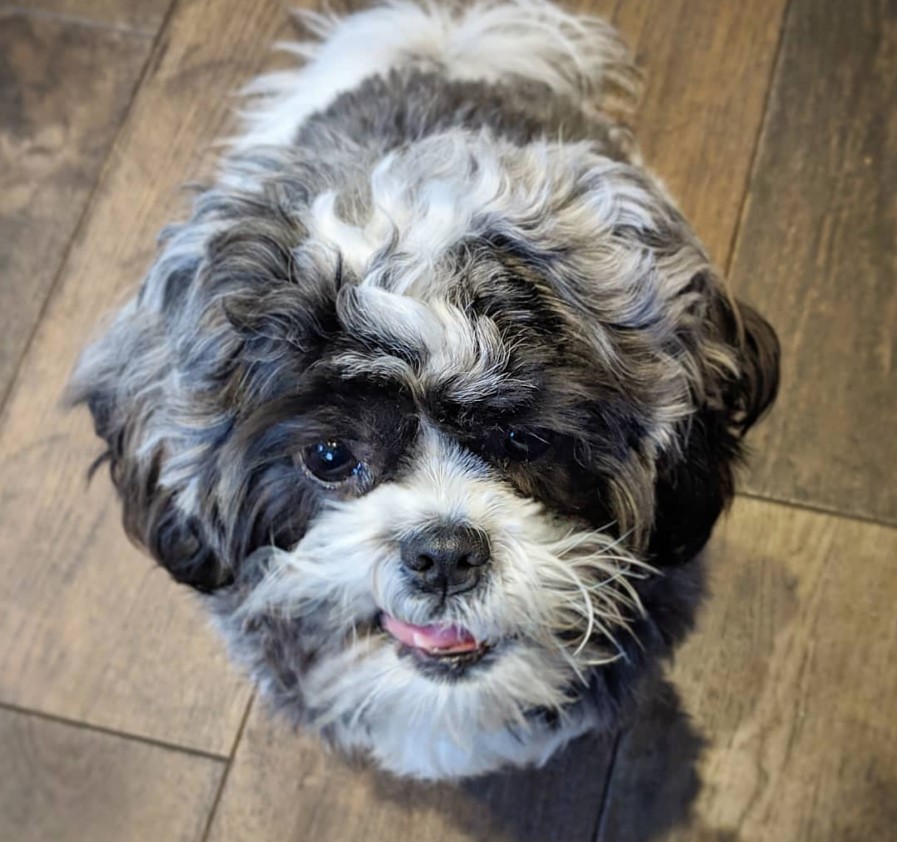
[[652, 786], [655, 779]]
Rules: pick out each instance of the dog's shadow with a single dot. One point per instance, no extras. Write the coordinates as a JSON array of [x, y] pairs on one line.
[[637, 786]]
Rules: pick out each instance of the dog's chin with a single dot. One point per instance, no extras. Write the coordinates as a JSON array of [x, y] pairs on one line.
[[436, 702]]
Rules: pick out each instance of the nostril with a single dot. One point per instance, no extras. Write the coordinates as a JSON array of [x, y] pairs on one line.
[[464, 563], [422, 562], [477, 559]]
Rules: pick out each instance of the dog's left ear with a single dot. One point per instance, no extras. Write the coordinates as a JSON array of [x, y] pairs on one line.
[[755, 347], [738, 353]]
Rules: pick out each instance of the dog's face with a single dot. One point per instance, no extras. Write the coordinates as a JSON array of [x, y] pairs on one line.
[[429, 435]]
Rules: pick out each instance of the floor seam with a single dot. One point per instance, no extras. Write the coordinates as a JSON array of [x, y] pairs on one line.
[[818, 509], [758, 143], [112, 732], [598, 830], [225, 775], [53, 289]]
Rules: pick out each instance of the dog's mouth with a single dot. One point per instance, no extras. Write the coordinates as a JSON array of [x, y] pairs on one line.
[[448, 646]]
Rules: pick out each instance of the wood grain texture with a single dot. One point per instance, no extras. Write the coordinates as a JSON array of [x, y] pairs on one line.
[[60, 109], [818, 252], [790, 680], [60, 783], [89, 629], [284, 786], [143, 16], [708, 67]]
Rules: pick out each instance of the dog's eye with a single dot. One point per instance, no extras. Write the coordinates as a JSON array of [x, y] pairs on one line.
[[330, 461], [523, 446]]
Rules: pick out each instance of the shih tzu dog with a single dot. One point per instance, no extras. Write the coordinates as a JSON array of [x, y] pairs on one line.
[[436, 395]]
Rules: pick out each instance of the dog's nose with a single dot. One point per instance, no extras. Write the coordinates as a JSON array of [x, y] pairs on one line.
[[445, 558]]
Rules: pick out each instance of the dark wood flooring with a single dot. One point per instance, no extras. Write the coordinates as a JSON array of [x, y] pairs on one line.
[[775, 123]]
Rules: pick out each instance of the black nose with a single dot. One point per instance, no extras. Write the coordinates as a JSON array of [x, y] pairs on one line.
[[445, 559]]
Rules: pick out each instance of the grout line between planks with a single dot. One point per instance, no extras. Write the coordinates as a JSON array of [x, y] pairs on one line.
[[148, 66], [229, 763], [758, 142], [818, 509], [600, 819], [112, 732]]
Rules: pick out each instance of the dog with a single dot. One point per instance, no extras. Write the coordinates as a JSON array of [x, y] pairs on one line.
[[436, 396]]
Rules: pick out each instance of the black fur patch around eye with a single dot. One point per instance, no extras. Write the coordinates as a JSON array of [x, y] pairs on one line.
[[561, 481], [271, 499]]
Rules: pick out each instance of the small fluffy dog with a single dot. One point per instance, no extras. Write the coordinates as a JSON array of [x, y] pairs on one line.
[[436, 395]]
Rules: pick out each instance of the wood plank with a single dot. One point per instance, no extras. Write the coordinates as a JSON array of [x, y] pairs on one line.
[[283, 785], [601, 8], [144, 16], [69, 784], [791, 679], [60, 109], [707, 69], [88, 629], [818, 251]]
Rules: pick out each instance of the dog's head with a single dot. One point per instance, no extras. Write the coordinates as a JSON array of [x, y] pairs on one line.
[[444, 419]]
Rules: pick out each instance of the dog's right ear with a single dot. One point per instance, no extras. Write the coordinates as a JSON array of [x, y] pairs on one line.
[[115, 378]]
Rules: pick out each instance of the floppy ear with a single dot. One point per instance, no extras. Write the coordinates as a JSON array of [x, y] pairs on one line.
[[174, 539], [151, 515], [757, 351], [126, 380], [695, 484]]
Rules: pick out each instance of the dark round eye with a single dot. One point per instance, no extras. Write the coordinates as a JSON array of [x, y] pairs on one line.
[[330, 461], [522, 445]]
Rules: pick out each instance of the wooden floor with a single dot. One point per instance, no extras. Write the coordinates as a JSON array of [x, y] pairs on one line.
[[775, 122]]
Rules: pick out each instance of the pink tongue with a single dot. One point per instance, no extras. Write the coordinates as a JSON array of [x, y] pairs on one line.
[[441, 638]]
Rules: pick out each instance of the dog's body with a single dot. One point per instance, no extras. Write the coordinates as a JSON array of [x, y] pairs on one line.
[[436, 395]]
